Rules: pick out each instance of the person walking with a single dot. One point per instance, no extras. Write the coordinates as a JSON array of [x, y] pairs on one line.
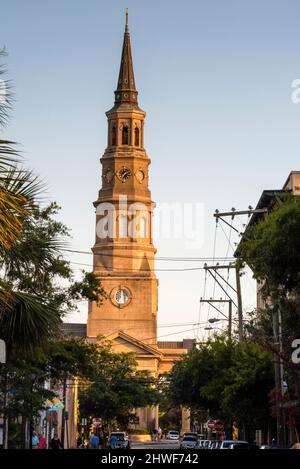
[[35, 440], [94, 441], [113, 441], [55, 442], [273, 443], [235, 431], [42, 442]]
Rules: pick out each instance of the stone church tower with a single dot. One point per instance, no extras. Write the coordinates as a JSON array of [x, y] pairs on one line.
[[123, 251]]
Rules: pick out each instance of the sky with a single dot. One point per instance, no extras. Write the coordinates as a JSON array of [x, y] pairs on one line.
[[215, 79]]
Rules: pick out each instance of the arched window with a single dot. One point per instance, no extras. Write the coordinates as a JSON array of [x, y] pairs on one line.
[[113, 136], [136, 136], [125, 135]]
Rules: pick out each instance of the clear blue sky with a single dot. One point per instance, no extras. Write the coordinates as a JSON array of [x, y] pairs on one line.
[[215, 80]]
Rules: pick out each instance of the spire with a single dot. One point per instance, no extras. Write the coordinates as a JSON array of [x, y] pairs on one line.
[[126, 91]]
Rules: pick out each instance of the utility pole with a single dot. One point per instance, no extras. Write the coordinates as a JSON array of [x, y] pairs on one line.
[[278, 366], [238, 292], [233, 213], [229, 319], [63, 414], [239, 299]]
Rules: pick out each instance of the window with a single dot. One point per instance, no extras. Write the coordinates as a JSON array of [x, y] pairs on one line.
[[125, 135], [113, 136], [136, 137]]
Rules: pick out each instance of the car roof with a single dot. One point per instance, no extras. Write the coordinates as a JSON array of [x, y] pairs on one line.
[[234, 441]]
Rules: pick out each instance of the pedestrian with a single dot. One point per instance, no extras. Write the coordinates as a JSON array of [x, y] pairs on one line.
[[228, 431], [159, 431], [113, 441], [42, 442], [273, 444], [94, 441], [101, 439], [105, 438], [235, 431], [154, 434], [55, 442], [35, 440]]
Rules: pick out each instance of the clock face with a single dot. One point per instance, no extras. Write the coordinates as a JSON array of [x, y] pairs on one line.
[[124, 174], [122, 296]]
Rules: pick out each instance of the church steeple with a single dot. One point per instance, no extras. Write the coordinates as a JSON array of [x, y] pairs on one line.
[[126, 91]]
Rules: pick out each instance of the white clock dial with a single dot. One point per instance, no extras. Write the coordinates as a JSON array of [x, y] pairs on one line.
[[122, 296]]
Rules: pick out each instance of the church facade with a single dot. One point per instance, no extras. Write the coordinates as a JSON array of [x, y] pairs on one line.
[[123, 253]]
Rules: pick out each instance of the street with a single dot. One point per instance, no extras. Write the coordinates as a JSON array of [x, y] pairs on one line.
[[162, 444]]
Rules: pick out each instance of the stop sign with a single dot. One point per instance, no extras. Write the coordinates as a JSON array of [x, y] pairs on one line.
[[97, 422], [211, 424]]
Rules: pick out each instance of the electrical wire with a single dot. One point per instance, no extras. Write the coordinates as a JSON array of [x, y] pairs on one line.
[[157, 258], [141, 270]]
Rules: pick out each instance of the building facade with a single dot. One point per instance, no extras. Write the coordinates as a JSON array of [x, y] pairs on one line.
[[123, 253]]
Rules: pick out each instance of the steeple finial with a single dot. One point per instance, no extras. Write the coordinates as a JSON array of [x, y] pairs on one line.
[[126, 25], [126, 91]]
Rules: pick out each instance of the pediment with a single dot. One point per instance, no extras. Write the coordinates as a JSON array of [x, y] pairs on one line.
[[122, 342]]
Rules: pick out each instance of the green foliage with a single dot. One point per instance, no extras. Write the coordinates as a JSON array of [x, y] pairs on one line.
[[272, 249], [38, 288], [116, 388], [23, 378], [229, 379]]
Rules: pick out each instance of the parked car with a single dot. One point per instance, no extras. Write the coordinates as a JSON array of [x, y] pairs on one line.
[[194, 434], [227, 443], [173, 435], [188, 442], [215, 444], [122, 440], [203, 444], [239, 445], [200, 444]]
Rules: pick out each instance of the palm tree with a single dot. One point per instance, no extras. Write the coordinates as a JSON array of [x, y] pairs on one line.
[[25, 318]]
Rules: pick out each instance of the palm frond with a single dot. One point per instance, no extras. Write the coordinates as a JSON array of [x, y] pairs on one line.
[[5, 94], [26, 320], [19, 191]]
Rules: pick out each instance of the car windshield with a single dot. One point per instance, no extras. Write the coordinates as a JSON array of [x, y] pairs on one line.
[[240, 446], [226, 444], [119, 436], [189, 438], [173, 433]]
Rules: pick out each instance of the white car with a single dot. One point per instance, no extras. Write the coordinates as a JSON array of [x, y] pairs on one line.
[[227, 444], [122, 440], [203, 444], [173, 435], [188, 442]]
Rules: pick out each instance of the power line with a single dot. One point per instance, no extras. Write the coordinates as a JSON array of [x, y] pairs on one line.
[[157, 258], [141, 270]]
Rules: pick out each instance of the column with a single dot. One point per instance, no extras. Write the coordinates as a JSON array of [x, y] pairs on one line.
[[185, 420]]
